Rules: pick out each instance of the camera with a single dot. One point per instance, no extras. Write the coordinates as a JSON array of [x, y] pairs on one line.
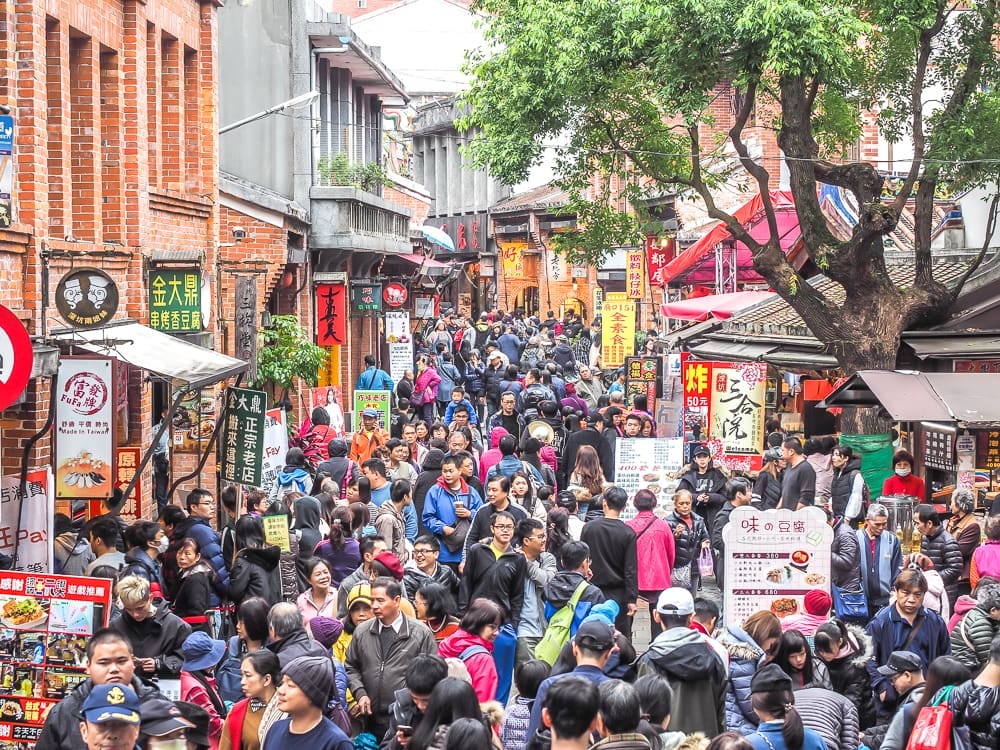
[[239, 234]]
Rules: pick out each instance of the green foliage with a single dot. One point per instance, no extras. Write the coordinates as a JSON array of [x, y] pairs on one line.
[[287, 355], [338, 170]]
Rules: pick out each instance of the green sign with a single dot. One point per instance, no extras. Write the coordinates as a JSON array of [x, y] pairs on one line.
[[366, 299], [175, 300], [378, 400], [243, 437]]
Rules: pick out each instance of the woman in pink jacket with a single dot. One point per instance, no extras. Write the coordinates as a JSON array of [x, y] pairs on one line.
[[655, 552], [425, 388], [201, 654], [473, 644]]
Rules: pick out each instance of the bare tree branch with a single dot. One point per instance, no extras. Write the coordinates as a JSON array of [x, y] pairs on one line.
[[758, 172]]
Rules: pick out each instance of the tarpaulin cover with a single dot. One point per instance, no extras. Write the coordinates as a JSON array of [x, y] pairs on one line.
[[720, 306], [876, 453]]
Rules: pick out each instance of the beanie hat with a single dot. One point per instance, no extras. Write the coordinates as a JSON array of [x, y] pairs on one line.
[[818, 602], [360, 593], [391, 563], [314, 677], [326, 630]]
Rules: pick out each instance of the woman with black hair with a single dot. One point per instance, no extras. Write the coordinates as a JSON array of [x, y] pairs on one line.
[[557, 531], [846, 650], [469, 734], [796, 660], [255, 570], [780, 726], [244, 723], [473, 644], [450, 701], [196, 577], [435, 607]]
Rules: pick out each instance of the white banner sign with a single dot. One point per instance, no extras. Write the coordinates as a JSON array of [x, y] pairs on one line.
[[34, 546], [275, 445], [85, 428], [397, 333], [648, 463]]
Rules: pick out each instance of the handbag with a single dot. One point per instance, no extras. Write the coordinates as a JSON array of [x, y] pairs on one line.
[[456, 541], [848, 605], [681, 577], [934, 729]]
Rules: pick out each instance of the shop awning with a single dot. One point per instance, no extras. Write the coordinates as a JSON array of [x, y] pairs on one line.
[[171, 358], [953, 345], [721, 306], [420, 260], [964, 397]]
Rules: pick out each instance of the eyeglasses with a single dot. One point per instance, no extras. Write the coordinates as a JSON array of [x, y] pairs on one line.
[[504, 527], [423, 552]]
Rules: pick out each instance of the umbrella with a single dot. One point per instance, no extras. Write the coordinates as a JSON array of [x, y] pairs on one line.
[[438, 237]]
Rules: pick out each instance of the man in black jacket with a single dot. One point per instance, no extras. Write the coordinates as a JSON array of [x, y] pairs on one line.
[[109, 660], [287, 636], [613, 555], [425, 568], [737, 495], [155, 633], [425, 672]]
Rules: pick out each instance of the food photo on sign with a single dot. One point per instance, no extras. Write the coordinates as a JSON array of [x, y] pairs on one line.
[[85, 427]]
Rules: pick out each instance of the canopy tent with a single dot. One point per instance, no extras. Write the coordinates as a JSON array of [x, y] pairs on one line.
[[721, 306], [696, 265]]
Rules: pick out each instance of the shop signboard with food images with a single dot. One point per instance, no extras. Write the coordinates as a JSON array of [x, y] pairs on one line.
[[400, 340], [773, 559], [45, 621], [194, 421], [652, 464], [85, 428]]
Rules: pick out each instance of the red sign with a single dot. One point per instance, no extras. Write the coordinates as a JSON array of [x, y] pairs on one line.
[[395, 294], [15, 358], [331, 314], [658, 255], [126, 464]]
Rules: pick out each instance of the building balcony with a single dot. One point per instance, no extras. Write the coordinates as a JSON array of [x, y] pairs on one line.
[[348, 218]]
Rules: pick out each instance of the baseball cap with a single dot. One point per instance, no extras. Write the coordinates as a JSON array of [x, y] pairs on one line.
[[901, 661], [160, 716], [701, 450], [111, 702], [370, 412], [675, 601], [595, 635]]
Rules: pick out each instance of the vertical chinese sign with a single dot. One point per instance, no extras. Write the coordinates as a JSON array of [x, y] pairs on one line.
[[618, 331], [6, 171], [126, 463], [397, 334], [46, 622], [85, 427], [512, 260], [658, 255], [331, 315], [175, 300], [643, 375], [243, 437], [246, 322], [635, 274], [696, 377], [557, 268], [738, 413]]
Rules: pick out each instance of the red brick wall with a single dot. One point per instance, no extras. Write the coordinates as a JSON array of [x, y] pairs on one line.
[[419, 205]]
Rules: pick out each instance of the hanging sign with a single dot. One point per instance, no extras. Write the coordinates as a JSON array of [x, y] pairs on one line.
[[648, 464], [275, 445], [126, 463], [84, 427], [736, 432], [86, 298], [243, 437], [34, 550], [512, 259], [635, 274], [618, 330], [378, 400], [658, 254], [246, 321], [175, 300], [6, 171], [16, 358], [331, 314], [366, 300], [643, 375], [397, 334], [395, 294], [425, 306]]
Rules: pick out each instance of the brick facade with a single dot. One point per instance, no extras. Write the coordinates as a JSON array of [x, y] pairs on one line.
[[116, 157]]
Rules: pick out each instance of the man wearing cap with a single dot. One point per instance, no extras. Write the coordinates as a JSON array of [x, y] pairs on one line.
[[110, 718], [705, 482], [109, 662], [905, 672], [306, 686], [592, 647], [695, 665], [368, 438], [163, 722]]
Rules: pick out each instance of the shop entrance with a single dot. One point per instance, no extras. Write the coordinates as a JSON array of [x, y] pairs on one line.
[[573, 305], [527, 300]]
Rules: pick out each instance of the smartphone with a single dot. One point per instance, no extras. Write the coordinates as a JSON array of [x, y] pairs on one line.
[[406, 731]]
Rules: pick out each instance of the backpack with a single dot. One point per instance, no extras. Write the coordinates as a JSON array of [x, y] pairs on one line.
[[557, 633], [227, 674], [472, 651]]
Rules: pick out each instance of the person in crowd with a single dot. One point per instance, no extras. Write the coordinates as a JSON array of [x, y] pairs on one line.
[[656, 701], [539, 571], [493, 456], [411, 703], [372, 378], [905, 672], [819, 453], [295, 476], [451, 379], [965, 529], [816, 612], [748, 647], [72, 552], [880, 556], [155, 633], [986, 558], [435, 607], [847, 489], [589, 388], [971, 638], [430, 472], [201, 654], [576, 573], [425, 388], [618, 717], [975, 703], [568, 714], [380, 652], [690, 537], [796, 659], [371, 547], [359, 610], [109, 718], [906, 625], [251, 625], [448, 510], [767, 486], [145, 541], [368, 438], [287, 636], [706, 615], [846, 650], [162, 725], [845, 556], [472, 643], [705, 482], [306, 686], [940, 546], [694, 664], [390, 520], [197, 525], [104, 537], [261, 676], [424, 567], [943, 674], [798, 484], [450, 702], [255, 570], [587, 480], [528, 676], [109, 662], [575, 442], [613, 551], [320, 599], [738, 494], [339, 467], [780, 725], [197, 582], [903, 481], [654, 551], [340, 550], [290, 575], [936, 599], [497, 499]]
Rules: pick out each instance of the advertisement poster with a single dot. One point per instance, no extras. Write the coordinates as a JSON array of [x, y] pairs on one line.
[[45, 621], [126, 462], [643, 375], [695, 377], [724, 407], [331, 399], [276, 532], [34, 553], [652, 464], [659, 252], [378, 400], [397, 334], [331, 314], [512, 259], [6, 171], [243, 437], [635, 274], [275, 445], [618, 331], [175, 300], [773, 559], [194, 421], [85, 427]]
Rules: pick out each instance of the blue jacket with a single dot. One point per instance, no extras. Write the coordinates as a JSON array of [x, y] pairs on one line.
[[889, 632], [878, 574], [449, 413], [474, 378], [450, 377], [744, 658], [211, 551], [510, 345], [769, 737], [373, 379], [439, 511]]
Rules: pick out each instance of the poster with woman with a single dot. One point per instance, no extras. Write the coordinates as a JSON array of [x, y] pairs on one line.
[[329, 399]]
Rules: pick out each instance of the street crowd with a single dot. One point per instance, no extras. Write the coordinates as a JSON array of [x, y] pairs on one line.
[[464, 580]]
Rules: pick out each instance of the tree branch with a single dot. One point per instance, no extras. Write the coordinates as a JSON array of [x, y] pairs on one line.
[[756, 170]]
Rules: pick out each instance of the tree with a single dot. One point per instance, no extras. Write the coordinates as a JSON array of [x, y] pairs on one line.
[[627, 87], [287, 355]]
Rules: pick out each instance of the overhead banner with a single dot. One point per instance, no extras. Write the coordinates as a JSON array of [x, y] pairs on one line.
[[648, 464], [175, 300], [658, 254], [397, 334], [618, 330], [275, 445], [243, 437], [331, 314], [378, 400], [84, 427], [773, 559], [635, 274], [34, 550]]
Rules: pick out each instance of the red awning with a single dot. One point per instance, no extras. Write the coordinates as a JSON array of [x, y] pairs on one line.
[[420, 260], [721, 306], [696, 265]]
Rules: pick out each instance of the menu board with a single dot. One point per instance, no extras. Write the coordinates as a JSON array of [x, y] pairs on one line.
[[648, 463], [773, 559], [45, 622]]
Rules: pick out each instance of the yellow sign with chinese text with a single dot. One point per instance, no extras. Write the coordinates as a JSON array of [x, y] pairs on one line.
[[635, 274], [276, 531], [512, 260], [618, 329]]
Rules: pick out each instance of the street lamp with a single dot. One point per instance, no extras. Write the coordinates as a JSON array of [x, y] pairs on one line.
[[298, 101]]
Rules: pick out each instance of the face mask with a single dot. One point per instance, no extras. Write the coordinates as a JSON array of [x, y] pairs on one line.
[[178, 743], [162, 546], [902, 472]]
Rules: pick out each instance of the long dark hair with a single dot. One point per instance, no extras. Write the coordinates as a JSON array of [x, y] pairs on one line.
[[943, 671], [793, 642], [250, 533], [557, 530], [781, 704], [450, 700], [340, 527]]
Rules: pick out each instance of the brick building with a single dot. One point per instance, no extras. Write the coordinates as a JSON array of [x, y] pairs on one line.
[[115, 168]]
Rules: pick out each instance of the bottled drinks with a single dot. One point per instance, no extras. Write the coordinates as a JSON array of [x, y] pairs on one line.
[[915, 539], [903, 542]]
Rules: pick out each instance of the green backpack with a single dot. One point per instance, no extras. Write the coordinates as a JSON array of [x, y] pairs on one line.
[[557, 632]]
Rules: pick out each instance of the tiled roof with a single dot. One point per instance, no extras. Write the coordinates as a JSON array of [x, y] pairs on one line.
[[545, 196]]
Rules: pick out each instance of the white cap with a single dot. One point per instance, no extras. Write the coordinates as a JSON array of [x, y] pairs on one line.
[[675, 601]]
